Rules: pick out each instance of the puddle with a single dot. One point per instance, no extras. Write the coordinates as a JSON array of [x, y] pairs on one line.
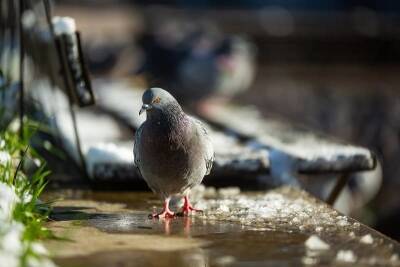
[[257, 229]]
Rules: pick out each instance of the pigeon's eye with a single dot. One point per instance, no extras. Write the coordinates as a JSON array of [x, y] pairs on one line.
[[156, 100]]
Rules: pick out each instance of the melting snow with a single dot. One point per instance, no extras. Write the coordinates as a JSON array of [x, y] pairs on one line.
[[5, 157], [309, 261], [275, 209], [8, 200], [106, 153], [228, 192], [315, 243], [394, 258], [367, 239], [11, 247], [346, 256]]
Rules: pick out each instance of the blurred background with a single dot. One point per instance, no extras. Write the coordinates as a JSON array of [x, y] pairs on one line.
[[332, 66]]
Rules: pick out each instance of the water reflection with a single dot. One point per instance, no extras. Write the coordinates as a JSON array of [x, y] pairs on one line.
[[166, 222]]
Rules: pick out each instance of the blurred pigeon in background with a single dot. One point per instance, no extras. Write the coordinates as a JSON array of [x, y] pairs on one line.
[[197, 62], [173, 151]]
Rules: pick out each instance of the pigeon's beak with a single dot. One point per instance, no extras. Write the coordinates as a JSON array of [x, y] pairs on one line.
[[144, 108]]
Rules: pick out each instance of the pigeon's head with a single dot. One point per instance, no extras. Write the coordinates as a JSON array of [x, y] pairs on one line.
[[157, 99]]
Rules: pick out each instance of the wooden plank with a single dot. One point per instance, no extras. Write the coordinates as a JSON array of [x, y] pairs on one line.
[[115, 161], [312, 152]]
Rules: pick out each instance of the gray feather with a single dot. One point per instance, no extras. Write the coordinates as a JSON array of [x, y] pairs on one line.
[[136, 154], [209, 149]]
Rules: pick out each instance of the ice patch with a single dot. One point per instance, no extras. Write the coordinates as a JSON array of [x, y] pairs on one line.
[[228, 192], [309, 261], [224, 261], [319, 229], [283, 210], [346, 256], [394, 258], [367, 239], [315, 243]]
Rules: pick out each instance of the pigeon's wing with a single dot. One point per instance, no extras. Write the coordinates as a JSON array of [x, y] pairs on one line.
[[136, 148], [209, 148]]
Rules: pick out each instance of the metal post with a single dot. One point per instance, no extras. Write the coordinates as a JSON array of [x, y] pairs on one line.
[[67, 84], [340, 184]]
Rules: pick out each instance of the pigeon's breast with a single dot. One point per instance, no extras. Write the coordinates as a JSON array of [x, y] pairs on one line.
[[169, 164]]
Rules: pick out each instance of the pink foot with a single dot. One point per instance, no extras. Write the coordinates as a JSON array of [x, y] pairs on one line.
[[187, 207], [166, 213]]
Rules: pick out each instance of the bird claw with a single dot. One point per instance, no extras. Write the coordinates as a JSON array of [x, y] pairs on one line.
[[186, 211], [164, 214]]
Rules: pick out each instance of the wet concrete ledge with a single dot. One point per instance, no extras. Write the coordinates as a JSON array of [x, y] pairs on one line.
[[270, 228]]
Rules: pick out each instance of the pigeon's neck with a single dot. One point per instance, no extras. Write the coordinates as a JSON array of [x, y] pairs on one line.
[[170, 119]]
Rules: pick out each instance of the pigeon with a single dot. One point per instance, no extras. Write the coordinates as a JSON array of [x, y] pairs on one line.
[[197, 64], [222, 70], [173, 151]]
